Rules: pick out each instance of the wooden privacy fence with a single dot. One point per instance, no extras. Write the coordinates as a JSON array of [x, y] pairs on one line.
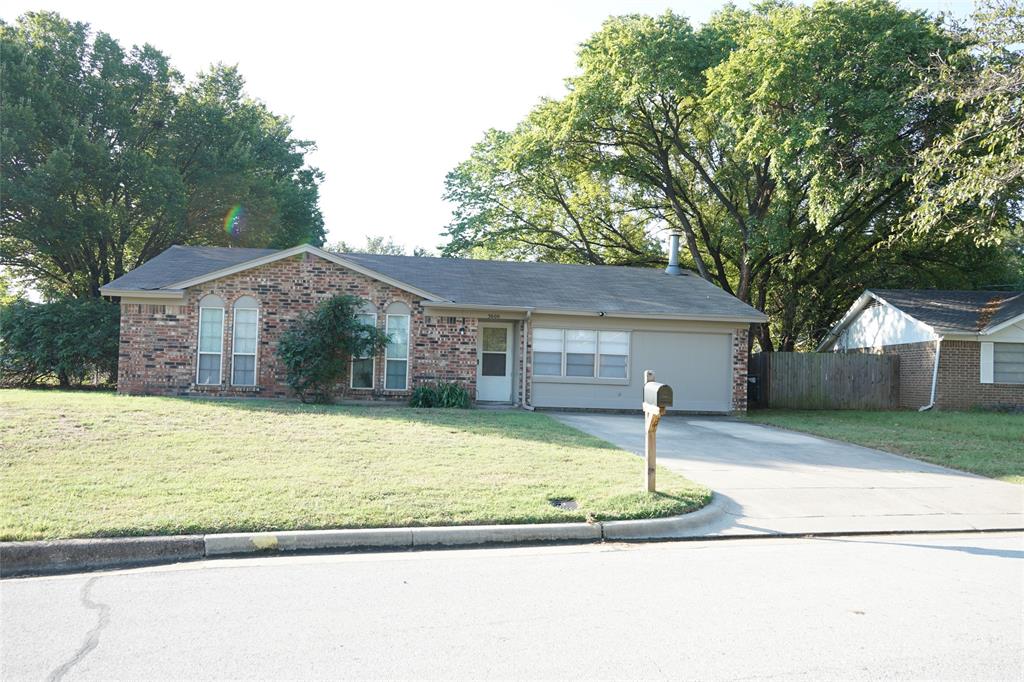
[[825, 381]]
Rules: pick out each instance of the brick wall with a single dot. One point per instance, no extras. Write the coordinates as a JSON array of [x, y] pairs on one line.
[[740, 360], [917, 362], [158, 343], [960, 386]]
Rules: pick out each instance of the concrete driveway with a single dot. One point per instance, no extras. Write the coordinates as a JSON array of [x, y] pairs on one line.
[[776, 481]]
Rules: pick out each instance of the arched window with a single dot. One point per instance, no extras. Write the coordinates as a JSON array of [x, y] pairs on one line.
[[244, 336], [211, 340], [396, 356]]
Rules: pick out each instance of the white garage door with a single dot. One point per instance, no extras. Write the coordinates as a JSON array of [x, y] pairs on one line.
[[696, 366]]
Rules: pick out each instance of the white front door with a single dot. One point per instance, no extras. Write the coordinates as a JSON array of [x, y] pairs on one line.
[[494, 362]]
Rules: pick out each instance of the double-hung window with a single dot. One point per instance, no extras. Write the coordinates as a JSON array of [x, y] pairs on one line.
[[582, 353], [396, 355], [547, 352], [244, 337], [211, 340], [1008, 363], [613, 360], [363, 367]]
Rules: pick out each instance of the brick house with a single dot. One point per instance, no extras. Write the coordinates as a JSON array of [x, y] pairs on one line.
[[206, 321], [958, 349]]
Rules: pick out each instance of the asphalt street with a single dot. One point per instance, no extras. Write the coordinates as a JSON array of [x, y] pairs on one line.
[[922, 606]]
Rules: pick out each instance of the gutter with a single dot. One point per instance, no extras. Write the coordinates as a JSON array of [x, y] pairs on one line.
[[750, 319], [935, 376], [143, 293]]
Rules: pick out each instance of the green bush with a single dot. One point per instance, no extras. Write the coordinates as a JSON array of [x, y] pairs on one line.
[[316, 350], [66, 341], [440, 395]]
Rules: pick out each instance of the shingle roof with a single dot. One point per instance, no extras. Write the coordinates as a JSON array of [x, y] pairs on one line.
[[547, 286], [957, 311], [179, 263]]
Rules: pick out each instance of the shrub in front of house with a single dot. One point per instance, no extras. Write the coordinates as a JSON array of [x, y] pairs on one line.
[[317, 348], [68, 342], [440, 395]]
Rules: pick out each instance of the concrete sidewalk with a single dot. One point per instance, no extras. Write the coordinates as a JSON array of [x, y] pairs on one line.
[[775, 481]]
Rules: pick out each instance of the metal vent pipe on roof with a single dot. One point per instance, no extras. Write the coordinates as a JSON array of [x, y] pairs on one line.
[[673, 255]]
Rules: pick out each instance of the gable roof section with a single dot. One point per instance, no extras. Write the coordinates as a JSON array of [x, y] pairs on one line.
[[183, 262], [181, 267], [945, 311], [471, 283], [956, 311]]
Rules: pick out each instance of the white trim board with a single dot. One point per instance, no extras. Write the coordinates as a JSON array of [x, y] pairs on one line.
[[696, 317], [143, 293]]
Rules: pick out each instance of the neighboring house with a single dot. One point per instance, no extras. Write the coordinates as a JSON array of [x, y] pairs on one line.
[[957, 349], [206, 321]]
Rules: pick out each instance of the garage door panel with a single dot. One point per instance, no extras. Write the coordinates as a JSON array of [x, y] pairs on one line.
[[696, 366]]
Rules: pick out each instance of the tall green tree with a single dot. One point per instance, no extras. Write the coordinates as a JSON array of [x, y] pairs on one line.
[[110, 157], [976, 168], [778, 141]]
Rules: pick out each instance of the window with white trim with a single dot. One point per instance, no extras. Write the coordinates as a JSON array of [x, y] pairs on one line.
[[613, 358], [1008, 363], [547, 352], [244, 337], [584, 353], [363, 367], [580, 351], [211, 341], [396, 355]]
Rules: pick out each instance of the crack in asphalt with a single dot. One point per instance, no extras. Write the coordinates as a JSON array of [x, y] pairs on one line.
[[92, 638]]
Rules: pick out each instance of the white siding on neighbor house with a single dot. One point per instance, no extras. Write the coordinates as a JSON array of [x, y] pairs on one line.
[[1012, 334], [882, 325], [992, 345], [694, 358]]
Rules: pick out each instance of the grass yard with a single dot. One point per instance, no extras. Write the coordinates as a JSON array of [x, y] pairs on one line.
[[75, 464], [986, 443]]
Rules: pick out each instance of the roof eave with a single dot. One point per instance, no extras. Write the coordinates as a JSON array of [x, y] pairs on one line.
[[696, 317], [851, 313], [143, 293], [744, 319]]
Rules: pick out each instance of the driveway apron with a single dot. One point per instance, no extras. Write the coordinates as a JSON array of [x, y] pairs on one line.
[[774, 481]]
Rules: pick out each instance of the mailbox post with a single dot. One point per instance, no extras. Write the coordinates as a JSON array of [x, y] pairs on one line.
[[657, 398]]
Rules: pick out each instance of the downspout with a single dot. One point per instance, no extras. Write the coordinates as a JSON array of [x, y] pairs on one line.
[[935, 376], [526, 340]]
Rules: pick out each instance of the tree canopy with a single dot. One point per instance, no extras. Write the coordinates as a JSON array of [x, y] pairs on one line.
[[780, 142], [377, 244], [975, 169], [110, 156]]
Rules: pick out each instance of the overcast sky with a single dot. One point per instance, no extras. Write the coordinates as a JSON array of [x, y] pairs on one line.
[[393, 93]]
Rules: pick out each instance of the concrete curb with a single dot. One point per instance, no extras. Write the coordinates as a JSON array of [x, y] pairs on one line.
[[66, 556], [667, 527]]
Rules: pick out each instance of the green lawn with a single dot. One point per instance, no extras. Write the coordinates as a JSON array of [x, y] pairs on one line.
[[986, 443], [76, 464]]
